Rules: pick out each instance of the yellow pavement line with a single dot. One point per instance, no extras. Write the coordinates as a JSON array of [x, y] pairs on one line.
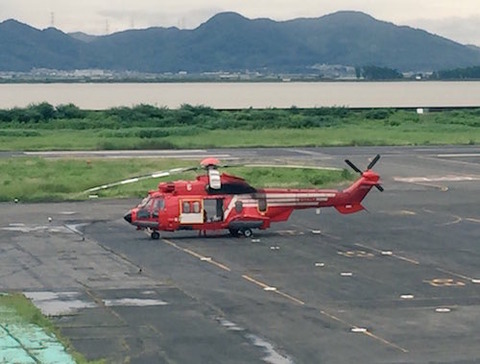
[[254, 281], [366, 332], [266, 286], [386, 342], [409, 260], [300, 302], [286, 295], [455, 274], [196, 255]]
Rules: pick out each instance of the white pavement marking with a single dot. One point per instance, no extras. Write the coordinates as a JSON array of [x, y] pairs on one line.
[[448, 178], [458, 155]]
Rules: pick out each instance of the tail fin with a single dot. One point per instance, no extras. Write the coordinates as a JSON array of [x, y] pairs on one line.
[[354, 195]]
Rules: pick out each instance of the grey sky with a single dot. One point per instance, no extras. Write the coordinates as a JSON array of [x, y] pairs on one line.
[[458, 20]]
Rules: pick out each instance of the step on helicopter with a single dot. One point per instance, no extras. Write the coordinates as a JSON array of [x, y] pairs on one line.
[[220, 201]]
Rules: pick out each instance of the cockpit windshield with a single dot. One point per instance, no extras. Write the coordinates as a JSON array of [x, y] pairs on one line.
[[145, 202]]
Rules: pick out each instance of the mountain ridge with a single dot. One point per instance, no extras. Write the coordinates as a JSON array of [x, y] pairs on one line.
[[231, 42]]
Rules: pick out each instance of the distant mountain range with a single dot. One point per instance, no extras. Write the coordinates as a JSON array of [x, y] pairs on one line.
[[231, 42]]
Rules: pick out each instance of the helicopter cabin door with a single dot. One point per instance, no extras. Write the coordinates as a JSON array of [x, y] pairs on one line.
[[213, 208], [191, 212]]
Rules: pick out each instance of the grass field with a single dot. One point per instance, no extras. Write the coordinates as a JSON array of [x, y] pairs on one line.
[[192, 127], [39, 179], [342, 135]]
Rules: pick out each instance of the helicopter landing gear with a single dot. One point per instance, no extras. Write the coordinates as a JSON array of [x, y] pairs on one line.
[[248, 233], [155, 235]]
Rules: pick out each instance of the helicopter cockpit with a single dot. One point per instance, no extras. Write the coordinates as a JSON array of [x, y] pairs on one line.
[[146, 210], [150, 207]]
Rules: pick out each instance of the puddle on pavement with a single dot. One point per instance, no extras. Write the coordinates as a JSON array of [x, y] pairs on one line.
[[140, 302], [58, 303], [272, 357]]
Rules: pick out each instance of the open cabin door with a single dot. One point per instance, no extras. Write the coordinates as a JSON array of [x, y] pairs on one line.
[[213, 209]]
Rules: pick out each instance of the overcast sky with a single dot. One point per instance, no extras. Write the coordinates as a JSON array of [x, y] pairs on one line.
[[458, 20]]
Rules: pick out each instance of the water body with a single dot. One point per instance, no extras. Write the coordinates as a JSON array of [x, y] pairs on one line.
[[97, 96]]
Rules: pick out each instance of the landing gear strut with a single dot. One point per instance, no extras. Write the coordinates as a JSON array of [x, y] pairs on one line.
[[246, 232]]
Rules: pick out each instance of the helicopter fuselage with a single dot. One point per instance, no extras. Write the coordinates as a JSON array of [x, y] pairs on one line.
[[235, 205]]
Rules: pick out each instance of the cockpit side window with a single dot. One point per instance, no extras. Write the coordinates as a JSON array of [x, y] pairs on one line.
[[144, 208], [158, 204]]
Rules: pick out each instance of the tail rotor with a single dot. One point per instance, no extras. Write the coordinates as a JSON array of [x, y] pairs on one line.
[[368, 174]]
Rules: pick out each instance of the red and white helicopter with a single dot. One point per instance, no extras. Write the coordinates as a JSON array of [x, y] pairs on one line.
[[215, 201]]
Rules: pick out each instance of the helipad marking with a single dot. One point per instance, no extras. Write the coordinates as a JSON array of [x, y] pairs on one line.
[[445, 282], [421, 182], [356, 254], [471, 219]]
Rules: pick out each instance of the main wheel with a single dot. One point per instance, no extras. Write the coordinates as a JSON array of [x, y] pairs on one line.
[[155, 235], [247, 232]]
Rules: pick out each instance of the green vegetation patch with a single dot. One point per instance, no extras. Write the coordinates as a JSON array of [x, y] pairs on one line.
[[44, 127], [28, 336]]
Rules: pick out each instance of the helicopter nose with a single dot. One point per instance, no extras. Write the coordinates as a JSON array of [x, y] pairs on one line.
[[128, 217]]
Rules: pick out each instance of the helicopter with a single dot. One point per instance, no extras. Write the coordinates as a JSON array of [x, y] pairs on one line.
[[220, 201]]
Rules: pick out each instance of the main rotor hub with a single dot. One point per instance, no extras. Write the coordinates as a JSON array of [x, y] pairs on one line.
[[210, 163]]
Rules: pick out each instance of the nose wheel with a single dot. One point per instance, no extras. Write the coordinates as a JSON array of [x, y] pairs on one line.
[[155, 235]]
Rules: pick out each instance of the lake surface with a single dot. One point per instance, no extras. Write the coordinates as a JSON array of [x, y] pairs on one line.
[[244, 95]]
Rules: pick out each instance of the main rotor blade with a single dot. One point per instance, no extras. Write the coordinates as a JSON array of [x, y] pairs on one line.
[[353, 166], [379, 187], [135, 179], [375, 160]]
